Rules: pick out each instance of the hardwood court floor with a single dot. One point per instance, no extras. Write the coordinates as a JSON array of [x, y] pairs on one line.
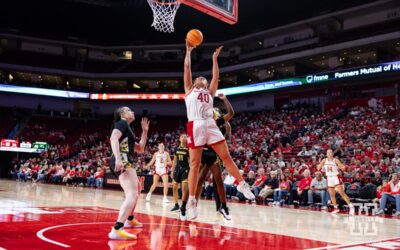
[[42, 216]]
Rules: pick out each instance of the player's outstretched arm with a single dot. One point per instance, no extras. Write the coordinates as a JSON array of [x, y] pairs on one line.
[[215, 72], [230, 112], [169, 162], [228, 134], [187, 69], [319, 167], [340, 165], [152, 161], [139, 147]]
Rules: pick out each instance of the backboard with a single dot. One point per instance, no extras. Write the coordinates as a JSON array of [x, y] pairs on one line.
[[225, 10]]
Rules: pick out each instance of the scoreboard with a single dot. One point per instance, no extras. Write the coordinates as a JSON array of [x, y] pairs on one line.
[[24, 147]]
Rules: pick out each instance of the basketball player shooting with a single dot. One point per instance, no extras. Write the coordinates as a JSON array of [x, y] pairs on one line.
[[202, 129]]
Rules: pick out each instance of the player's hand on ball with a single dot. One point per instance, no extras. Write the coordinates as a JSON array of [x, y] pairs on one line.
[[217, 51], [189, 47], [145, 124]]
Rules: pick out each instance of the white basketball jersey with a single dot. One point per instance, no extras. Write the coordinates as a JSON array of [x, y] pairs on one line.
[[161, 160], [330, 168], [199, 104]]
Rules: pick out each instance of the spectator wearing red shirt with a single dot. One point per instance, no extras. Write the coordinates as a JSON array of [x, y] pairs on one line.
[[380, 190], [70, 178], [78, 176], [392, 194], [369, 153], [284, 187], [98, 176], [34, 171], [301, 192], [66, 174], [258, 183]]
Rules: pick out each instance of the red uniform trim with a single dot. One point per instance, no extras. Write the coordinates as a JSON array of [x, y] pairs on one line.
[[189, 130]]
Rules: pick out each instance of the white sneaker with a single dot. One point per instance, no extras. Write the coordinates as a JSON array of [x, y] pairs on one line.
[[182, 215], [352, 211], [191, 209], [324, 208], [148, 197], [121, 234], [244, 188], [225, 213], [133, 224], [165, 200], [397, 213]]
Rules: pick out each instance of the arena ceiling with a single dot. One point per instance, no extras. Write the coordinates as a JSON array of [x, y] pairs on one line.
[[123, 22]]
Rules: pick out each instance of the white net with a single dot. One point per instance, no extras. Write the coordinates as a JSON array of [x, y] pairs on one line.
[[164, 14]]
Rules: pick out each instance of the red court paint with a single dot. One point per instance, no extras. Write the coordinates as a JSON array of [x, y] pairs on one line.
[[87, 228]]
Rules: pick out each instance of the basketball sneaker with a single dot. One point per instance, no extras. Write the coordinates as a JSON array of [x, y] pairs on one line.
[[192, 209], [182, 215], [225, 213], [133, 223], [352, 211], [148, 197], [244, 188], [397, 213], [335, 210], [380, 211], [165, 200], [121, 234], [175, 208]]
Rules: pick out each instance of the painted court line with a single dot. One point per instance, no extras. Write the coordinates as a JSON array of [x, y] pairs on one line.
[[356, 244], [40, 234]]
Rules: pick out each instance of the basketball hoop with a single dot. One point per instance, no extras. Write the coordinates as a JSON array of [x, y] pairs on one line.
[[164, 12]]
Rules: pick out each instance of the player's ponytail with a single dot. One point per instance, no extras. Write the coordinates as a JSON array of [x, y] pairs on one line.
[[117, 114]]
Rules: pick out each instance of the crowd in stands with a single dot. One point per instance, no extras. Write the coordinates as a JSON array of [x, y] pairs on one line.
[[277, 152]]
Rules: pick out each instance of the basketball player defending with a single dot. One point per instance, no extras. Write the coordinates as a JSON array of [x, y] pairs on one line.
[[202, 129], [161, 159], [211, 162], [123, 146], [331, 167], [179, 175]]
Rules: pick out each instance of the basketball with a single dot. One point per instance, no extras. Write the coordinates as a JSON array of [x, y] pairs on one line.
[[194, 37]]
